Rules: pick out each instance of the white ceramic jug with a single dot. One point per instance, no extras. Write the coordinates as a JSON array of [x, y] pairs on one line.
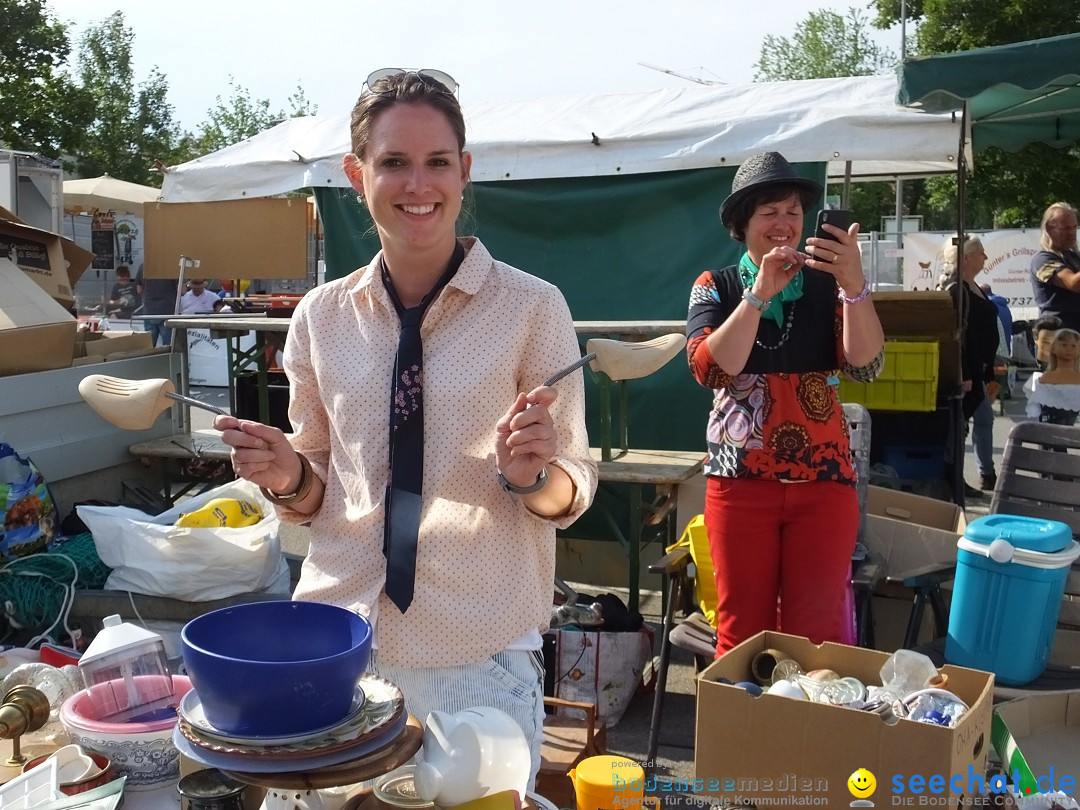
[[471, 754]]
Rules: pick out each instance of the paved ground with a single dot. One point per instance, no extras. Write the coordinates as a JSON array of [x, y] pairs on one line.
[[675, 759]]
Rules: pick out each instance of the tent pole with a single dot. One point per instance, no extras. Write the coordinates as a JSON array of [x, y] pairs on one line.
[[956, 406], [899, 212]]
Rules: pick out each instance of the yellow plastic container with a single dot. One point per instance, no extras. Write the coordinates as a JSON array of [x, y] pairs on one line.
[[908, 382], [610, 783]]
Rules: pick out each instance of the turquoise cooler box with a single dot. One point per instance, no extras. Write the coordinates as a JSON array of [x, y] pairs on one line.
[[1010, 579]]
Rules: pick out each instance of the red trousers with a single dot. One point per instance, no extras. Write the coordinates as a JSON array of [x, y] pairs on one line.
[[782, 556]]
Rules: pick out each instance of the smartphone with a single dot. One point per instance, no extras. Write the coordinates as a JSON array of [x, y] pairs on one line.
[[840, 217]]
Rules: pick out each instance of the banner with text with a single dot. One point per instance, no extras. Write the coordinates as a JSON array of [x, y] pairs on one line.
[[1008, 255]]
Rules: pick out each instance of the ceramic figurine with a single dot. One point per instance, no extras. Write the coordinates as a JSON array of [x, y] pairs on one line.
[[1054, 395]]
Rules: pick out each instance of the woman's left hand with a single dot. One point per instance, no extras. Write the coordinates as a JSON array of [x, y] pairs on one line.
[[839, 257], [525, 438]]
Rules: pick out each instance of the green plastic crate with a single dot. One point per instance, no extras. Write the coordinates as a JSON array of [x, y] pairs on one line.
[[908, 382]]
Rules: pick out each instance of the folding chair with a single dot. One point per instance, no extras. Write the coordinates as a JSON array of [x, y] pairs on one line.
[[1040, 478], [567, 741]]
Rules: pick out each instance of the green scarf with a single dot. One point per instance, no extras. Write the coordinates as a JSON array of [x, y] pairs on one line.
[[792, 291]]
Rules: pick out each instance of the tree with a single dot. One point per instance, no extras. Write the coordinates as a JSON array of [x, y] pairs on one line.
[[41, 109], [945, 26], [132, 127], [242, 116], [1006, 188], [827, 45], [824, 46]]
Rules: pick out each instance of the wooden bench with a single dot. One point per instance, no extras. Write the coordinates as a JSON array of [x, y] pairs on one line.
[[664, 471]]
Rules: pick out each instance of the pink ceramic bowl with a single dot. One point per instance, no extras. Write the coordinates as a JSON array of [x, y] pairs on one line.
[[144, 752]]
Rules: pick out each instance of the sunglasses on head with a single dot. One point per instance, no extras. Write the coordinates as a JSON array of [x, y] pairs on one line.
[[435, 79]]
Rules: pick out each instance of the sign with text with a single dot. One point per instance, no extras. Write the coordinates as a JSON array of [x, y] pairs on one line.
[[1008, 256]]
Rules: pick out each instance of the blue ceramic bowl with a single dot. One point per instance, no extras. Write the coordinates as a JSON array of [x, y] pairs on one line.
[[273, 668]]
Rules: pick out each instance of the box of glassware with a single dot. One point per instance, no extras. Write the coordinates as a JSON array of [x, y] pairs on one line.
[[774, 750]]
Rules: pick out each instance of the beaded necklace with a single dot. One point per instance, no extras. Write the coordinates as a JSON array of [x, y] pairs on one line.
[[788, 320]]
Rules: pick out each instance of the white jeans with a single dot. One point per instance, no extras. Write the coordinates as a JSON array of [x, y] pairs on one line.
[[512, 681]]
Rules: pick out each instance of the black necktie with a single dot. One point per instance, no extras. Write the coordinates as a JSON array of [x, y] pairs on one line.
[[401, 525]]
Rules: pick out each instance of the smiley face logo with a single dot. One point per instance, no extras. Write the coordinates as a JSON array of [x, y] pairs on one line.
[[862, 784]]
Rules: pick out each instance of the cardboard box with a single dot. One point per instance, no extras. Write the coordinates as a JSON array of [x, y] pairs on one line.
[[773, 750], [100, 347], [915, 535], [99, 344], [53, 262], [36, 333], [1039, 736]]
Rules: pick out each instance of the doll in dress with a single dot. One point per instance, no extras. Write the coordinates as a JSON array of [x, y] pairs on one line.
[[1053, 396]]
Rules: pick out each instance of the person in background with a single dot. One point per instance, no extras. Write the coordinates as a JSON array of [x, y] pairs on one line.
[[1043, 331], [1004, 318], [124, 298], [159, 298], [222, 307], [430, 460], [769, 336], [197, 301], [1055, 270], [977, 352], [1003, 361]]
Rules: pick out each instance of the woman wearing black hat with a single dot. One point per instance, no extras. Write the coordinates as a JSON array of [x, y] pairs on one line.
[[769, 336]]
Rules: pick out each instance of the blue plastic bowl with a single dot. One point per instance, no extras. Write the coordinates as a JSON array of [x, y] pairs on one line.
[[268, 669]]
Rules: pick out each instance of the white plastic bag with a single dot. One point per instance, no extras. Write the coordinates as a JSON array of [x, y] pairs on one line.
[[152, 556], [602, 668]]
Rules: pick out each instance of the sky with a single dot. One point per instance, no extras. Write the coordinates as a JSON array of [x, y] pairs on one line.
[[496, 49]]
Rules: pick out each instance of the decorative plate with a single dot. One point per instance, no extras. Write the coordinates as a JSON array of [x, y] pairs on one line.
[[191, 710], [309, 761], [383, 705]]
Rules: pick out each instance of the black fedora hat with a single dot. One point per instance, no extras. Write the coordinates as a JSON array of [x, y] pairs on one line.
[[758, 171]]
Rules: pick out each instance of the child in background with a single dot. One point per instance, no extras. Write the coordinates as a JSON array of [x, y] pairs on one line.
[[1054, 395]]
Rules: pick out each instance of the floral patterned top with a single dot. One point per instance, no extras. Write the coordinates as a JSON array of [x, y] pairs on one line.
[[780, 418]]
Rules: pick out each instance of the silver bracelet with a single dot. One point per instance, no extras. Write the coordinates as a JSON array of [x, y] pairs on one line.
[[757, 303], [862, 296]]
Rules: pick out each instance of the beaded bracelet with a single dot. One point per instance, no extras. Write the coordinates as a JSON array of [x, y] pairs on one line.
[[860, 297], [307, 479]]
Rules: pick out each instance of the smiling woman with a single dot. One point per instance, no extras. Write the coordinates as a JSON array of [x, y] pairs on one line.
[[770, 336], [430, 458]]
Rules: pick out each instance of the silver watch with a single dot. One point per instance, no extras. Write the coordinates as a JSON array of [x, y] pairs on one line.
[[753, 300], [537, 485]]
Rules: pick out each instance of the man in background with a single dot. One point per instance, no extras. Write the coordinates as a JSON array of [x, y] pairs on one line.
[[1043, 331], [1005, 323], [159, 298], [1055, 270], [197, 301]]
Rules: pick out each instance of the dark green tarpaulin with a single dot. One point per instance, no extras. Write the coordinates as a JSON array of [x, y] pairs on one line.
[[1026, 92], [618, 247]]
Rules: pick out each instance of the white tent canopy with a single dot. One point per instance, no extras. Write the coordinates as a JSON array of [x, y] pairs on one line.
[[844, 120]]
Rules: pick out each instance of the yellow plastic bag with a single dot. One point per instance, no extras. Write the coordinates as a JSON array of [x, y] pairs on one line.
[[696, 539]]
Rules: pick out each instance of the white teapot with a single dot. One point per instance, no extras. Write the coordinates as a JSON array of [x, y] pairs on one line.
[[471, 754]]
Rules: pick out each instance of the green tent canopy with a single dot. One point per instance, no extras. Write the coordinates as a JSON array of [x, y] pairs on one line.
[[1013, 95]]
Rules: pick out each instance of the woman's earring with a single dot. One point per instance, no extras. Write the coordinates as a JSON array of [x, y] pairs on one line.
[[360, 198]]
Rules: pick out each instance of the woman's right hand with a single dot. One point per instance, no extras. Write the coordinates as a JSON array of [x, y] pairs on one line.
[[261, 454], [778, 267]]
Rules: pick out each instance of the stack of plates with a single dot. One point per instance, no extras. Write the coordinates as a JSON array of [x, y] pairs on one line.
[[376, 720]]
